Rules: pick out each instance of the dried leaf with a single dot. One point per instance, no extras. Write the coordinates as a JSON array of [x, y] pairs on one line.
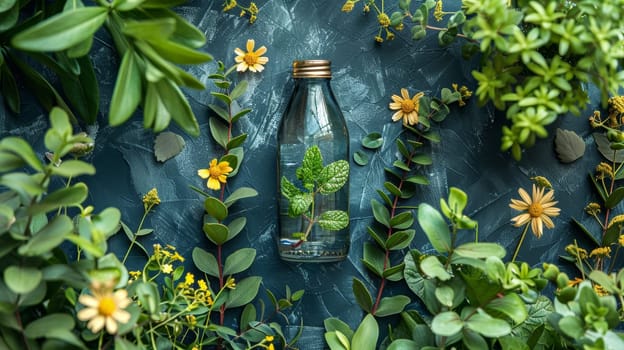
[[168, 145], [569, 146], [605, 149]]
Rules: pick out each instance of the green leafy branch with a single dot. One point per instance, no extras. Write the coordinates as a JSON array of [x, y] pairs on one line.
[[317, 180], [150, 38]]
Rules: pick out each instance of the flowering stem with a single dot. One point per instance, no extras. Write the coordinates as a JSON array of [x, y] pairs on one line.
[[136, 234], [526, 228]]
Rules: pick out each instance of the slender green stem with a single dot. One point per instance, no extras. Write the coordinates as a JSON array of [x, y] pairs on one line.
[[135, 235], [524, 232], [101, 339]]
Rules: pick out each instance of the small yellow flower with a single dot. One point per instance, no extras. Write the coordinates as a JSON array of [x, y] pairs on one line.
[[348, 6], [104, 308], [191, 320], [134, 275], [216, 174], [601, 252], [379, 39], [151, 198], [600, 290], [621, 240], [539, 209], [406, 107], [230, 283], [576, 281], [384, 20], [166, 268], [592, 209], [576, 252], [177, 257], [202, 285], [604, 170], [617, 103], [230, 4], [618, 219], [437, 12], [252, 60], [189, 279], [366, 8], [268, 341]]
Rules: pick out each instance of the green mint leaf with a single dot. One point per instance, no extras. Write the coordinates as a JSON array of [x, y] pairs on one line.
[[333, 220], [289, 190], [333, 177], [311, 167], [299, 204]]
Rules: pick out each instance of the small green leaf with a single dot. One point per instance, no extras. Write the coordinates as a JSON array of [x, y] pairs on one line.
[[239, 89], [299, 204], [604, 146], [422, 159], [510, 305], [236, 141], [392, 188], [480, 250], [615, 198], [73, 168], [219, 132], [362, 295], [333, 177], [49, 237], [63, 30], [488, 326], [381, 213], [447, 324], [21, 148], [435, 228], [335, 324], [372, 140], [22, 279], [360, 158], [418, 179], [392, 305], [216, 233], [400, 239], [333, 220], [239, 261], [445, 295], [168, 145], [64, 197], [216, 208], [236, 226], [434, 268], [366, 335], [240, 193], [402, 221], [47, 325], [205, 262], [127, 93], [569, 146]]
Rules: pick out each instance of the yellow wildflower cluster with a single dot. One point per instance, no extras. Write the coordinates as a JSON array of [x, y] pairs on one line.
[[348, 6], [437, 12], [151, 199], [604, 170], [592, 209], [618, 219], [600, 290], [165, 257], [601, 252], [576, 252], [195, 296], [464, 93], [251, 10], [616, 103]]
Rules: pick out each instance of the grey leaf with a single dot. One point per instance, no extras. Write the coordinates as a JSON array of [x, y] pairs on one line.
[[168, 145], [604, 147], [569, 146]]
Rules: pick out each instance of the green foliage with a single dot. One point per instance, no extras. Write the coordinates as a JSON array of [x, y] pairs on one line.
[[536, 56], [151, 41], [317, 180]]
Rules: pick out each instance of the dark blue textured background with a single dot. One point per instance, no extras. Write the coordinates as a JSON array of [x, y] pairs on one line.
[[365, 76]]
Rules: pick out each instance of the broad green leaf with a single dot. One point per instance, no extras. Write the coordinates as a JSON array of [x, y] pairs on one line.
[[216, 233], [25, 185], [434, 268], [366, 335], [447, 324], [21, 148], [381, 213], [418, 179], [457, 200], [445, 295], [81, 88], [603, 145], [73, 168], [373, 257], [165, 69], [180, 54], [64, 197], [46, 326], [488, 326], [185, 32], [248, 315], [53, 234], [236, 141], [335, 324], [604, 280], [372, 140], [393, 189], [10, 162], [435, 228], [312, 164], [205, 262], [245, 291], [216, 208], [239, 261], [403, 344], [510, 305], [148, 296], [473, 340], [288, 189], [178, 106], [333, 177], [150, 30], [333, 220], [402, 221], [480, 250], [394, 273], [392, 305], [6, 5], [362, 295], [128, 90], [240, 193], [337, 341], [22, 279], [239, 90], [422, 159], [62, 31]]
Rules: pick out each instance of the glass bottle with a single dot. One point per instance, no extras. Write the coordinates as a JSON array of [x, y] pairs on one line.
[[312, 118]]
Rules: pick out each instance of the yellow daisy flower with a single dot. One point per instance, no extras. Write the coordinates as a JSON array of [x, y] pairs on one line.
[[104, 308], [539, 209], [166, 268], [216, 173], [252, 60], [406, 107]]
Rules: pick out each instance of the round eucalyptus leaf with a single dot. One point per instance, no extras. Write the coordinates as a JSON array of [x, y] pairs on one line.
[[372, 140], [168, 145], [569, 146], [21, 279], [360, 158]]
